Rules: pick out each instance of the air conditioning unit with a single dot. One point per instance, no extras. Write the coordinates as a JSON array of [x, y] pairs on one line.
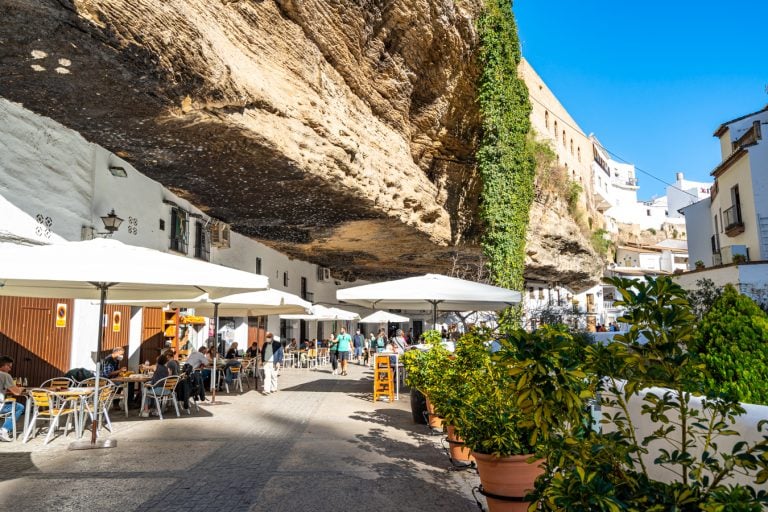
[[323, 274], [220, 235]]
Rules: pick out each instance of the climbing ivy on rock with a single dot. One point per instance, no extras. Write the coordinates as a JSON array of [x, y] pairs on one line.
[[505, 161]]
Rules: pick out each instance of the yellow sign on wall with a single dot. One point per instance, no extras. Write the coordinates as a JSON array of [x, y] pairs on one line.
[[61, 315], [116, 319]]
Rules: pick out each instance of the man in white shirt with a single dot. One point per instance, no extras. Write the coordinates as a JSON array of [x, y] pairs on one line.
[[198, 359]]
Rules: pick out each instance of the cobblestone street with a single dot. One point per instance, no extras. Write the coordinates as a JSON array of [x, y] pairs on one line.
[[319, 444]]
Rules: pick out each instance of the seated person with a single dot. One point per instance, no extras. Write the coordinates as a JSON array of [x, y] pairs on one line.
[[173, 363], [253, 350], [111, 367], [232, 361], [232, 352], [161, 372], [198, 359], [9, 387]]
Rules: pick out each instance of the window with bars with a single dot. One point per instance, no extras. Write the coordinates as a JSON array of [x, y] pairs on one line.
[[202, 242], [179, 230]]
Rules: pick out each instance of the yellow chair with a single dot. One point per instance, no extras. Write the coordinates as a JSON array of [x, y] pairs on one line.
[[106, 395], [46, 404], [162, 391], [59, 382]]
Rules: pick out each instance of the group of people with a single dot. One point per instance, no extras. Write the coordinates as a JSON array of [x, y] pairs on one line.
[[612, 327]]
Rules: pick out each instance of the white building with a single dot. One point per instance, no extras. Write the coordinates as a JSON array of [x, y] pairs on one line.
[[683, 193], [732, 224], [55, 185]]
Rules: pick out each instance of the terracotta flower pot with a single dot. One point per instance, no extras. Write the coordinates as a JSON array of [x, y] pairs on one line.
[[459, 452], [433, 420], [511, 477]]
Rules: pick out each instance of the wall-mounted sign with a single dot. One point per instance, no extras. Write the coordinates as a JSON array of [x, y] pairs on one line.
[[191, 319], [61, 315], [116, 319]]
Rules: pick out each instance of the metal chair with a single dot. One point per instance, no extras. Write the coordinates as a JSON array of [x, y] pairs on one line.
[[237, 374], [59, 382], [251, 369], [162, 391], [106, 395], [11, 413], [46, 404]]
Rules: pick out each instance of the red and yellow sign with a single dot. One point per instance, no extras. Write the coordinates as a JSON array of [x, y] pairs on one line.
[[192, 319], [117, 318], [61, 315]]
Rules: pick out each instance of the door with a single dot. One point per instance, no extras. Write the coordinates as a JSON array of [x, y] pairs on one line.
[[30, 334], [152, 340]]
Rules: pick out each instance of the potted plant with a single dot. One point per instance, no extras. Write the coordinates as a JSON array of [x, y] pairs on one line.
[[425, 371], [508, 403], [661, 447], [699, 264]]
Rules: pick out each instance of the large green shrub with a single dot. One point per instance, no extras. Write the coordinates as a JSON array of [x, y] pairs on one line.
[[606, 471], [504, 158], [732, 342]]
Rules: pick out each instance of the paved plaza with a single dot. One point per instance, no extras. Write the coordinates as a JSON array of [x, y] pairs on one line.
[[319, 444]]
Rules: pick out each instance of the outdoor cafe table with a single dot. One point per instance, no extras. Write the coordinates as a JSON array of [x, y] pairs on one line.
[[138, 378]]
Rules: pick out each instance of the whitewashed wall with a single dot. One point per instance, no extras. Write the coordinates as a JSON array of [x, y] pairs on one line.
[[746, 426], [49, 170]]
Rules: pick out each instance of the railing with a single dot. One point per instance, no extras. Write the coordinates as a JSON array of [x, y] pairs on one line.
[[732, 220], [308, 296]]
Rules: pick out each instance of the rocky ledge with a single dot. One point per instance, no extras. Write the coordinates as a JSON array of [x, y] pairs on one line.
[[342, 132]]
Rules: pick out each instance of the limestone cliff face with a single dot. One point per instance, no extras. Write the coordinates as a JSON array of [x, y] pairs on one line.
[[339, 131]]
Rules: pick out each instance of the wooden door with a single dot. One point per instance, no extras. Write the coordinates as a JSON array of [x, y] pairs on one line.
[[152, 340], [29, 334], [116, 329], [257, 330]]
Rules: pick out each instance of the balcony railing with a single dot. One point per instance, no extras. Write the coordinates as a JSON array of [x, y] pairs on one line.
[[732, 220], [308, 296]]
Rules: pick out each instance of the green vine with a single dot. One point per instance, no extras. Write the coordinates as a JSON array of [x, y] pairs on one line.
[[505, 161]]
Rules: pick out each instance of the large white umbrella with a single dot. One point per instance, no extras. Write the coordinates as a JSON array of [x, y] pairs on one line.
[[430, 291], [81, 269], [92, 268], [266, 302], [323, 313], [381, 317]]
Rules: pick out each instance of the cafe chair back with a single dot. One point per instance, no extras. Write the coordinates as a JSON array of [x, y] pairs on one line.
[[106, 395], [58, 383], [163, 391]]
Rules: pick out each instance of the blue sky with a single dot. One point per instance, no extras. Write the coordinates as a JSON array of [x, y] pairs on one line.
[[653, 80]]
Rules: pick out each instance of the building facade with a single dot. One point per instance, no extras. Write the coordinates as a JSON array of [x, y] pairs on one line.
[[734, 219], [55, 186]]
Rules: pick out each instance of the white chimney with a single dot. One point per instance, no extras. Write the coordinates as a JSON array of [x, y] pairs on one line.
[[679, 176]]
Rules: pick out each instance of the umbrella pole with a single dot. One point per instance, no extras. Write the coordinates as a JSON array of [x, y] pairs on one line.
[[108, 443], [434, 314], [216, 350]]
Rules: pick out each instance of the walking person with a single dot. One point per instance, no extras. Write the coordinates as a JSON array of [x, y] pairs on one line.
[[357, 344], [367, 348], [271, 359], [381, 340], [333, 354], [343, 344]]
